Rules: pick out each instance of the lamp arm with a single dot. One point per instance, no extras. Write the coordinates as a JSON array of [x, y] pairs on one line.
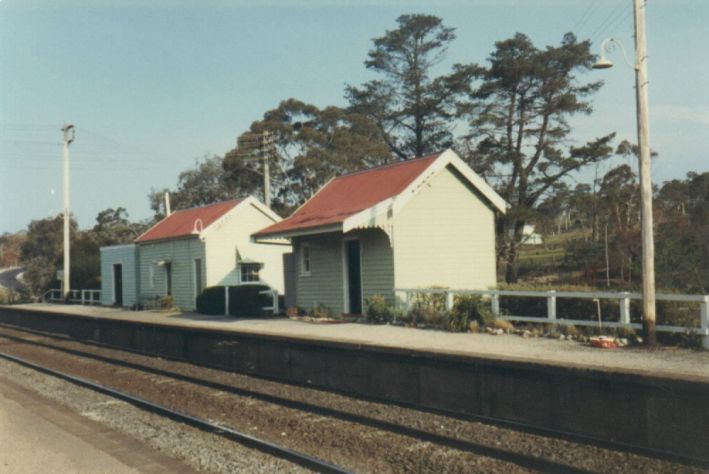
[[608, 45]]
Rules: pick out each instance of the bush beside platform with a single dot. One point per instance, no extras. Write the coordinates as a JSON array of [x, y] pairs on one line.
[[244, 300]]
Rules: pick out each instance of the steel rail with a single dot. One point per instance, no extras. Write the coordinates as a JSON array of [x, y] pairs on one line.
[[304, 460]]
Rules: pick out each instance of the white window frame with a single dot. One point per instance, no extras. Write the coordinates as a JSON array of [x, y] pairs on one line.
[[258, 273], [151, 276], [302, 260]]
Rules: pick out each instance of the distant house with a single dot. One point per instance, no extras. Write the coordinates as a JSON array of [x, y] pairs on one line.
[[418, 223], [530, 237], [191, 249]]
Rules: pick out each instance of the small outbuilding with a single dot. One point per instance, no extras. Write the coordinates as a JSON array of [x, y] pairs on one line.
[[417, 223], [192, 249]]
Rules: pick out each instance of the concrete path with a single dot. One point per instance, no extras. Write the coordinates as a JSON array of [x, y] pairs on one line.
[[666, 362]]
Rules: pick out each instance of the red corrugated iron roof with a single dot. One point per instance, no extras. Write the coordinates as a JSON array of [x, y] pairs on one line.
[[182, 223], [351, 193]]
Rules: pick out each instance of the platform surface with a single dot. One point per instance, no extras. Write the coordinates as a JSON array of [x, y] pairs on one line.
[[675, 363], [37, 435]]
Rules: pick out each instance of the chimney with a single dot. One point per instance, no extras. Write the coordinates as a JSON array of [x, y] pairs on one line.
[[167, 204]]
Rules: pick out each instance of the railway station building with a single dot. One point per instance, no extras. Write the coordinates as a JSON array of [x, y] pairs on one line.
[[192, 249], [418, 223]]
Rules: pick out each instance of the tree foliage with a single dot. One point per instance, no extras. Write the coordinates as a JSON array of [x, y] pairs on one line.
[[204, 184], [310, 146], [113, 227], [520, 131], [414, 110], [682, 246]]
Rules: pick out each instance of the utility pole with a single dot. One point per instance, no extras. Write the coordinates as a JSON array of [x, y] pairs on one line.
[[68, 130], [641, 103], [258, 145], [266, 153], [648, 245]]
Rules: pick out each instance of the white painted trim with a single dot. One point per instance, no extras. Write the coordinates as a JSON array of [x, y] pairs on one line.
[[116, 247], [301, 232]]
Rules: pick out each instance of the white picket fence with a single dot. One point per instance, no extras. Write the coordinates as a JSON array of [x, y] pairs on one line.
[[75, 296], [623, 300]]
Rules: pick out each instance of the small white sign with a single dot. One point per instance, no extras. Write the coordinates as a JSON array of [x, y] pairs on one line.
[[60, 275]]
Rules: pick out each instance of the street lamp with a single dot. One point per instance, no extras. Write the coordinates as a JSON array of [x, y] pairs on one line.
[[69, 132], [648, 246]]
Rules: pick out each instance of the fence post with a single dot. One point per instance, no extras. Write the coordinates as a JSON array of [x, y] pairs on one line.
[[449, 300], [495, 303], [82, 297], [704, 316], [551, 305], [625, 309], [276, 309], [226, 301]]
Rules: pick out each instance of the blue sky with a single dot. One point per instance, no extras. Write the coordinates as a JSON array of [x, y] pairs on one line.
[[151, 86]]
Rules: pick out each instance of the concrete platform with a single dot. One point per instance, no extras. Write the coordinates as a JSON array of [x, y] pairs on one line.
[[684, 364], [38, 435]]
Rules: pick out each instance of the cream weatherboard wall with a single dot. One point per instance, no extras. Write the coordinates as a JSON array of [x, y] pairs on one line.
[[233, 232], [445, 236], [181, 253]]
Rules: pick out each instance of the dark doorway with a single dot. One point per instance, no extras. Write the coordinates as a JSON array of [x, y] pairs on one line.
[[354, 278], [118, 284], [168, 277]]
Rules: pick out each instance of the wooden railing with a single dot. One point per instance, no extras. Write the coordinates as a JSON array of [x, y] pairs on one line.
[[75, 296], [701, 328]]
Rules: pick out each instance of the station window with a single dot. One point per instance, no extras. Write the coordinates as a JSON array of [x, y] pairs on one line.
[[249, 272]]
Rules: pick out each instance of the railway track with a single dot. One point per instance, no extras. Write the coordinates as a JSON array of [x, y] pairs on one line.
[[41, 348]]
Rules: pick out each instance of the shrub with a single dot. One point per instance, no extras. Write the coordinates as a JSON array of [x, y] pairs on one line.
[[457, 322], [167, 303], [472, 308], [378, 311], [320, 311], [211, 300], [247, 301], [244, 300], [428, 308]]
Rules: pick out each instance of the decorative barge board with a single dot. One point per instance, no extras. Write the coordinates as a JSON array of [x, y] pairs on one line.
[[641, 411]]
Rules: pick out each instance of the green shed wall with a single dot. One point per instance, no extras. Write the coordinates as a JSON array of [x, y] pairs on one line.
[[325, 284], [181, 253], [127, 256], [377, 265]]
